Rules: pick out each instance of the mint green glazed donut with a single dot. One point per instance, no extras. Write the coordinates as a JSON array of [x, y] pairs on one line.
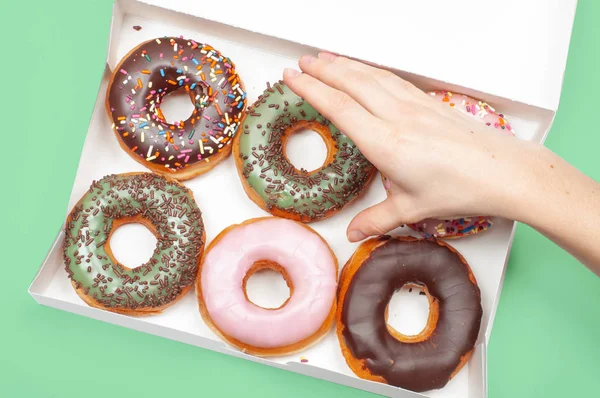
[[168, 209], [269, 178]]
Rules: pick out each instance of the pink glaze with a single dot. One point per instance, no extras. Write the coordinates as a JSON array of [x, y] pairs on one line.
[[477, 109], [302, 253], [455, 228]]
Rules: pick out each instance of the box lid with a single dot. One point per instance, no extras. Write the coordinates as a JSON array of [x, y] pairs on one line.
[[516, 49]]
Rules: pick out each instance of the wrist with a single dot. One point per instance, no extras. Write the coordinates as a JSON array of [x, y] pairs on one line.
[[524, 182], [556, 199]]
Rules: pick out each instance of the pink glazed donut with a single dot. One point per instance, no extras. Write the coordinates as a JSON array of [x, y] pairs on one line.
[[305, 261], [455, 228]]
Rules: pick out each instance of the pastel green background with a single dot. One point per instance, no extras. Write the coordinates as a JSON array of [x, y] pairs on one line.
[[545, 339]]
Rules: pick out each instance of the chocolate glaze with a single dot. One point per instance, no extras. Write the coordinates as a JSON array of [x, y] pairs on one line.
[[418, 366], [162, 66]]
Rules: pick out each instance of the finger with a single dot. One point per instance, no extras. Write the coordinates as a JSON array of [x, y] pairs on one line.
[[376, 220], [393, 83], [360, 86], [364, 129]]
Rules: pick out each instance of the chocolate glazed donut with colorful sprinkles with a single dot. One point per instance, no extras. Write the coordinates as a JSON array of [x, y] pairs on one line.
[[156, 68], [269, 178], [163, 205]]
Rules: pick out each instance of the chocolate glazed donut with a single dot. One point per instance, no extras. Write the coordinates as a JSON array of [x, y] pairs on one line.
[[156, 68], [377, 352]]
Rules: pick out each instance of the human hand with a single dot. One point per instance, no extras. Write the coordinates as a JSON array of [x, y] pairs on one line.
[[440, 163]]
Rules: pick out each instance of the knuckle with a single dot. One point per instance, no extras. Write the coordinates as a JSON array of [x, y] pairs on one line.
[[386, 74], [375, 227], [352, 78], [390, 139], [340, 102], [341, 60], [408, 86], [411, 212]]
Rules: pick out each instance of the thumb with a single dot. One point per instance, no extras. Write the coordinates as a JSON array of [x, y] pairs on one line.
[[376, 220]]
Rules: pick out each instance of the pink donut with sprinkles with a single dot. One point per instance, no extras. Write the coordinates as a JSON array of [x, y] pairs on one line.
[[181, 149], [456, 228]]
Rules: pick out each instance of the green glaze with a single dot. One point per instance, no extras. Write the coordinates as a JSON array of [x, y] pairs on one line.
[[283, 188], [171, 209]]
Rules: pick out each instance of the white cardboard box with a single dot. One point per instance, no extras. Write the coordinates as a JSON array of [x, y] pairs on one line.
[[511, 54]]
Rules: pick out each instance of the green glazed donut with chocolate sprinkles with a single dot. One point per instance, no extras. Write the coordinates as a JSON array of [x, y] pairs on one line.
[[270, 179], [163, 205]]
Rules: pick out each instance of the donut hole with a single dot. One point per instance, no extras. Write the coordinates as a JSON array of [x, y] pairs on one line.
[[176, 106], [266, 285], [131, 243], [411, 313], [305, 148]]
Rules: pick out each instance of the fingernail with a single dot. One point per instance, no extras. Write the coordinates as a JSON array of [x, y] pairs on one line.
[[307, 59], [327, 56], [355, 235], [290, 73]]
